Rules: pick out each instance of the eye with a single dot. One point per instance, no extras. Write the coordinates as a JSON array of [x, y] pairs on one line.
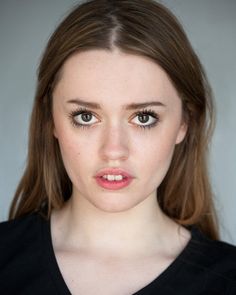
[[147, 118], [82, 118]]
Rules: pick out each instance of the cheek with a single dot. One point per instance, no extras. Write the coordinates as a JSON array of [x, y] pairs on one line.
[[160, 154], [158, 144], [70, 148], [156, 151], [77, 151], [70, 153], [68, 139], [76, 159], [157, 164]]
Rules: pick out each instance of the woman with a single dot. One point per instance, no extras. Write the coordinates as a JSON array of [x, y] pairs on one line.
[[115, 198]]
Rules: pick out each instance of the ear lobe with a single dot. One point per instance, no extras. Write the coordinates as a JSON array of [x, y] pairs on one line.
[[55, 132], [181, 133]]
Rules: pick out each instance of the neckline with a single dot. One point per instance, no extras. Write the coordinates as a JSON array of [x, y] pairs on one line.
[[51, 260], [62, 287]]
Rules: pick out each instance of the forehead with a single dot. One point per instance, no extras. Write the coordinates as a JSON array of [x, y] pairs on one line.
[[114, 77]]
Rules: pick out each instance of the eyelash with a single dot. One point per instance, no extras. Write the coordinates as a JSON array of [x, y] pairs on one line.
[[81, 111], [150, 113]]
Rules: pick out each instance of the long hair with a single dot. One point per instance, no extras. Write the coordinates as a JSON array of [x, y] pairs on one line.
[[145, 28]]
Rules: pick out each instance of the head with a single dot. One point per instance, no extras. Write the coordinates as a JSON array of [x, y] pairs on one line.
[[146, 31]]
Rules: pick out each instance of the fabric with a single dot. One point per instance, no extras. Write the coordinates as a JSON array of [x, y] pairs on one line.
[[28, 264]]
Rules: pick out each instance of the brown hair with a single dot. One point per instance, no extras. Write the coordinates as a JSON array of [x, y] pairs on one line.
[[145, 28]]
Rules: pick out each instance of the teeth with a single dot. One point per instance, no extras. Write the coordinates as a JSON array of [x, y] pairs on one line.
[[113, 177]]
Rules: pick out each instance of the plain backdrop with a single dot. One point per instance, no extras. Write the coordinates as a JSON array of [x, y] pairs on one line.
[[25, 27]]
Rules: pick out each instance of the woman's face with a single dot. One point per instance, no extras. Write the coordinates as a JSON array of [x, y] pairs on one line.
[[115, 128]]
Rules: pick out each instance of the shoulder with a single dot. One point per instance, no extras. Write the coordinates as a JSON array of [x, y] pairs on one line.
[[213, 260], [20, 238], [23, 258], [21, 227], [213, 252]]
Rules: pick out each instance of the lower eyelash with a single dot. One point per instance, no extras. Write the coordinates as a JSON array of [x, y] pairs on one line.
[[149, 113], [76, 113], [75, 124], [148, 126], [143, 112]]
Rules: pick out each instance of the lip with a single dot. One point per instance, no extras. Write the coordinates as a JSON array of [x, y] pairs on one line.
[[114, 171], [113, 185]]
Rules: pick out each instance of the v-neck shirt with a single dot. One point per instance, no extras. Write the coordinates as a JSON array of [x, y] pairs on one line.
[[28, 264]]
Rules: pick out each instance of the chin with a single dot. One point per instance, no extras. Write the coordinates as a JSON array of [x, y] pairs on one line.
[[114, 206]]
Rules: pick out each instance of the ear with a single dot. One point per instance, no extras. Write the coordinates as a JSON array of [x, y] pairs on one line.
[[55, 131], [181, 133]]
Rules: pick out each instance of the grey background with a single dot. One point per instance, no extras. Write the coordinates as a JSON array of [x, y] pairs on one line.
[[25, 27]]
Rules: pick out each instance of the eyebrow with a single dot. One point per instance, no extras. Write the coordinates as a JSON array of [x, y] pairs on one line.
[[131, 106]]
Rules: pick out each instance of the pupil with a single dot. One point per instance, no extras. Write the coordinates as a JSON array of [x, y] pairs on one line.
[[86, 117], [143, 118]]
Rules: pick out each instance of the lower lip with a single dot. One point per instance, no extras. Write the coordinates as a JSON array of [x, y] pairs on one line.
[[113, 185]]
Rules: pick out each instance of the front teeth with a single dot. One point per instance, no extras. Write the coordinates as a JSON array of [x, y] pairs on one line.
[[113, 177]]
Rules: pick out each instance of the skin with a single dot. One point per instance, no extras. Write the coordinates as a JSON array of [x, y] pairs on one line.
[[126, 223]]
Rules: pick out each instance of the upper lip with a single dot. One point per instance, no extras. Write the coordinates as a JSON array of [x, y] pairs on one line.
[[113, 171]]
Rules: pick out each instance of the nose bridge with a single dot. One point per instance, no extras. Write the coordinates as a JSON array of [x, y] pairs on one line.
[[114, 142]]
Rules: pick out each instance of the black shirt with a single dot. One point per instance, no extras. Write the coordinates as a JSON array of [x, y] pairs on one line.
[[28, 264]]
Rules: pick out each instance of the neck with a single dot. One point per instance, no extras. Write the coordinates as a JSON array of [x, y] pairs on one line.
[[133, 231]]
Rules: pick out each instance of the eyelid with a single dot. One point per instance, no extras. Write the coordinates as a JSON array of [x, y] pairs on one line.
[[82, 110], [149, 112]]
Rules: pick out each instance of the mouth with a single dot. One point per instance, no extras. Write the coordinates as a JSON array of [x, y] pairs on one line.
[[113, 179]]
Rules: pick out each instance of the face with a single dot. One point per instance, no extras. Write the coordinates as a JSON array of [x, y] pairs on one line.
[[116, 110]]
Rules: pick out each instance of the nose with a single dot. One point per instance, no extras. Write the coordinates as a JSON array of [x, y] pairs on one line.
[[114, 144]]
